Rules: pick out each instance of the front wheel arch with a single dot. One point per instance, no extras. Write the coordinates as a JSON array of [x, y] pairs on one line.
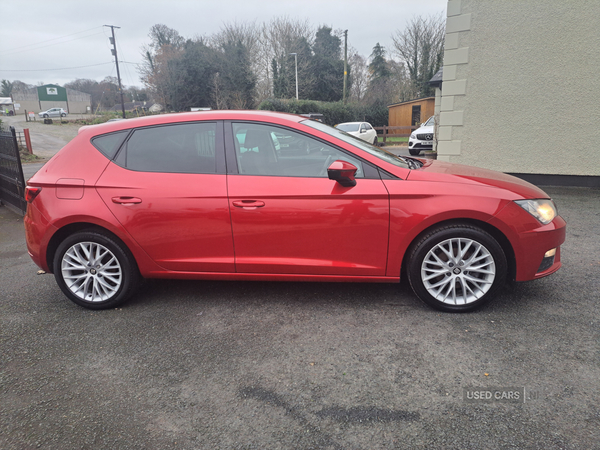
[[456, 267], [495, 232]]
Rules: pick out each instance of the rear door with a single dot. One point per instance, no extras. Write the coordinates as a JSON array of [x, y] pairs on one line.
[[167, 187]]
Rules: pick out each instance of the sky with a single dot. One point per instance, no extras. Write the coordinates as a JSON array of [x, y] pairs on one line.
[[61, 40]]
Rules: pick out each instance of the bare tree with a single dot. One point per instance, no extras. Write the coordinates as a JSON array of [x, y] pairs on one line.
[[359, 73], [420, 47], [280, 37]]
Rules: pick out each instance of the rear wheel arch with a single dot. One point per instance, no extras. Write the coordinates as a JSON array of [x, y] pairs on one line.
[[72, 228], [95, 269]]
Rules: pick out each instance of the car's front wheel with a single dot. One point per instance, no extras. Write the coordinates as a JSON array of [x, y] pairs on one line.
[[46, 116], [456, 268], [375, 141], [94, 270]]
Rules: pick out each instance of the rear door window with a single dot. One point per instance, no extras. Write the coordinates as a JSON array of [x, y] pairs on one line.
[[179, 148]]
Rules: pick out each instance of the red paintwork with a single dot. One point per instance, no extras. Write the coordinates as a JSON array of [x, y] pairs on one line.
[[181, 221], [275, 228], [310, 226]]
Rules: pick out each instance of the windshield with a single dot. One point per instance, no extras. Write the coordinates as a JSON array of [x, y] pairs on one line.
[[430, 122], [347, 127], [356, 142]]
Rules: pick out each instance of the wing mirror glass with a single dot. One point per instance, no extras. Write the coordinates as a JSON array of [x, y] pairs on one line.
[[343, 172]]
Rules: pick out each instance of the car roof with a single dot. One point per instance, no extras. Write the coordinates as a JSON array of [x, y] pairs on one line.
[[162, 119]]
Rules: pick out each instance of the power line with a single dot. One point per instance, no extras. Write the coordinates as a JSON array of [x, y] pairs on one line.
[[44, 44], [50, 70]]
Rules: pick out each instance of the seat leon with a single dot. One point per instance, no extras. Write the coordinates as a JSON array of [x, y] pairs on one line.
[[215, 195]]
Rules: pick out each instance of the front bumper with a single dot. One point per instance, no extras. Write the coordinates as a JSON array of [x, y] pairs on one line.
[[531, 241], [415, 143]]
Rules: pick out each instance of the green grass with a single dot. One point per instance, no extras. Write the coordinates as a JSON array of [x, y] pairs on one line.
[[393, 139]]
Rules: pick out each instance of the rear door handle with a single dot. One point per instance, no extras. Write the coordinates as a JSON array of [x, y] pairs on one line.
[[126, 200], [248, 204]]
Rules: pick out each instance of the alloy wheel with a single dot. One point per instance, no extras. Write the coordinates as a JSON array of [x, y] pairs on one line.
[[458, 271], [91, 271]]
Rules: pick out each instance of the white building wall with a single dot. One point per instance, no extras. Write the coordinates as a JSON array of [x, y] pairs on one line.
[[520, 86]]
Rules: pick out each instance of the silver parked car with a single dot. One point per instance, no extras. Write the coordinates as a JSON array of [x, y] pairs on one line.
[[53, 112]]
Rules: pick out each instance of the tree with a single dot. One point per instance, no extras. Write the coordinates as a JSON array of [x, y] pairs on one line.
[[157, 71], [378, 68], [239, 82], [20, 86], [420, 48], [358, 76], [6, 88], [327, 66], [280, 37]]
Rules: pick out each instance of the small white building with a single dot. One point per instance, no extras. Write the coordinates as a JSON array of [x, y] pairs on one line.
[[6, 105]]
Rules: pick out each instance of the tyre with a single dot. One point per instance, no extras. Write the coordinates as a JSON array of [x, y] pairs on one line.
[[94, 270], [63, 115], [375, 141], [456, 268], [46, 116], [414, 152]]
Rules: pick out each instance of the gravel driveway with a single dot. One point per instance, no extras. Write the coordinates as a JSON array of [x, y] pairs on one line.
[[258, 365], [46, 140]]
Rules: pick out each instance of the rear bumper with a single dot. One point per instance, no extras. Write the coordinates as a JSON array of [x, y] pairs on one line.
[[36, 233]]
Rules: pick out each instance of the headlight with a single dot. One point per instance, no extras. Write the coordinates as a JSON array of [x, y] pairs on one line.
[[413, 136], [542, 210]]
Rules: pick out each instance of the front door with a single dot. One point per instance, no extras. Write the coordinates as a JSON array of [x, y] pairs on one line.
[[289, 218]]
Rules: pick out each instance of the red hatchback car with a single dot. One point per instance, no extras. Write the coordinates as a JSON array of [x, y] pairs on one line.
[[249, 195]]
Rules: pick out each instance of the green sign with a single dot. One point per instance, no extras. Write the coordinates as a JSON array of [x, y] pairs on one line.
[[52, 93]]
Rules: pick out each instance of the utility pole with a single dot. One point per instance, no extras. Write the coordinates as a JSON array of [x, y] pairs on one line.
[[114, 52], [345, 64], [296, 59]]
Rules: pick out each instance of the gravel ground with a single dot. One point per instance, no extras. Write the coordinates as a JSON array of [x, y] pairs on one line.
[[46, 140], [242, 365]]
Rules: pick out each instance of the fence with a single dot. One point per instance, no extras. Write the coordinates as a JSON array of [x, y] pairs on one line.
[[385, 132], [12, 182]]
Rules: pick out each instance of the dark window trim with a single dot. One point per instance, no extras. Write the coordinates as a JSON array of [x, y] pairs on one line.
[[369, 169]]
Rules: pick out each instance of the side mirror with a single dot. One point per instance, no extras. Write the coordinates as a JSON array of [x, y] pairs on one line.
[[343, 172]]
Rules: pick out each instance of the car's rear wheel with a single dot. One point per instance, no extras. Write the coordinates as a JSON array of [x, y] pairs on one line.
[[94, 270], [63, 115], [456, 268], [414, 152]]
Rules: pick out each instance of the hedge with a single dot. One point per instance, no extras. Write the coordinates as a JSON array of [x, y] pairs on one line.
[[333, 112]]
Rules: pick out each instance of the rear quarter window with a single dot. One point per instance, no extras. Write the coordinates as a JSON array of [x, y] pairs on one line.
[[109, 144]]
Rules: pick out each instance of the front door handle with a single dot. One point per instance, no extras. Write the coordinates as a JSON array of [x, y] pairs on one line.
[[126, 200], [248, 204]]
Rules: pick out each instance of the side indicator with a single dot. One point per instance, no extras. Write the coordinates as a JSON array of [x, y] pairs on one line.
[[31, 193]]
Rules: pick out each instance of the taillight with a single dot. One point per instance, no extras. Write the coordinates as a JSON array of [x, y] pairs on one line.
[[31, 193]]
